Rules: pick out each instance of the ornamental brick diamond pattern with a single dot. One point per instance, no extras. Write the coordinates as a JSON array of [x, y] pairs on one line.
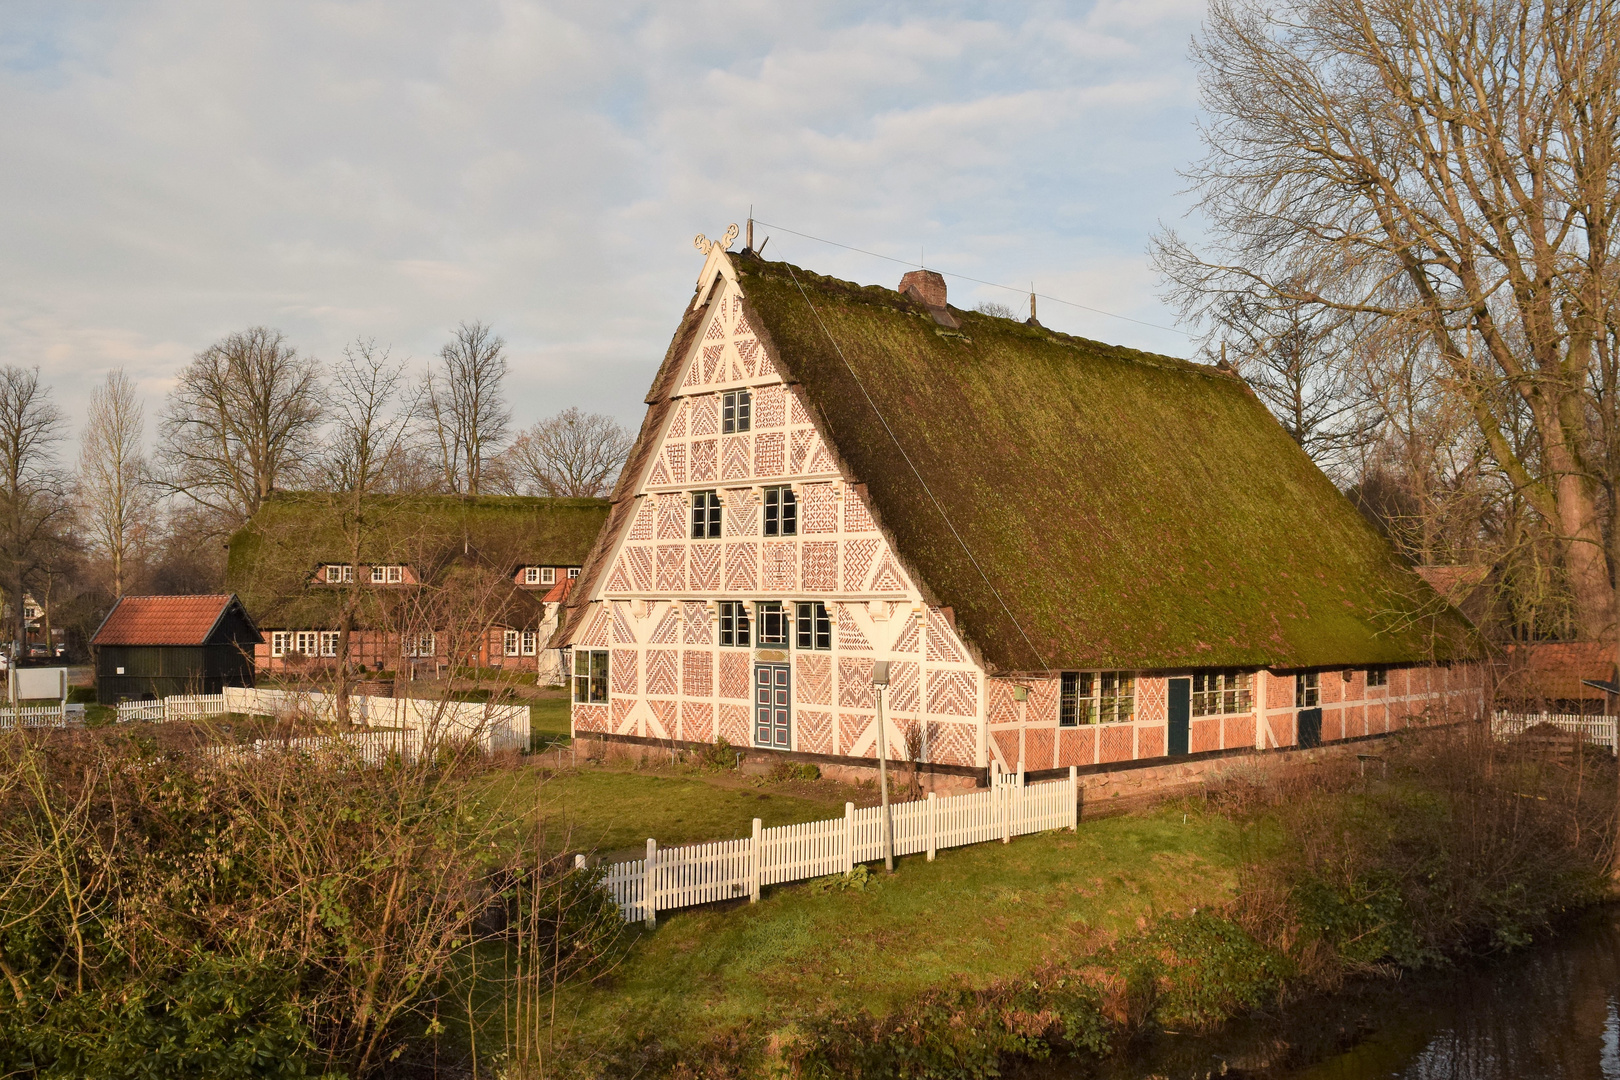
[[696, 613], [858, 555], [952, 744], [705, 415], [849, 634], [941, 642], [857, 735], [671, 567], [734, 675], [1152, 702], [820, 565], [910, 637], [734, 458], [952, 693], [814, 673], [821, 460], [660, 475], [697, 721], [770, 406], [624, 675], [888, 577], [765, 365], [694, 374], [801, 450], [661, 671], [820, 509], [641, 566], [697, 673], [768, 454], [779, 565], [669, 628], [741, 512], [743, 328], [797, 413], [742, 567], [619, 580], [905, 690], [855, 690], [1042, 706], [646, 515], [705, 460], [717, 327], [706, 566], [857, 518], [734, 725], [671, 516], [815, 732]]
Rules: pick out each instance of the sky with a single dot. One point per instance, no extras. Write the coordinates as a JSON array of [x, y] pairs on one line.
[[175, 170]]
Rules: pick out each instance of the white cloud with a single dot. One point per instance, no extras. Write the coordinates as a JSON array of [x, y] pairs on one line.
[[180, 169]]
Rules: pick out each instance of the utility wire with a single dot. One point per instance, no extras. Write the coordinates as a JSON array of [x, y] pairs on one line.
[[1045, 666], [978, 281]]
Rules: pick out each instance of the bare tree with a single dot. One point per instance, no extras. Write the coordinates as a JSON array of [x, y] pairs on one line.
[[115, 495], [572, 454], [465, 412], [996, 309], [243, 418], [1449, 168], [32, 502]]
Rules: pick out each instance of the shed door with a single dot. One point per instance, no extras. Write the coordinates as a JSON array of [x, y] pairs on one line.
[[1180, 715], [772, 706], [1310, 728]]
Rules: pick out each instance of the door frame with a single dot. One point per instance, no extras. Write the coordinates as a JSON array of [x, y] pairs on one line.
[[1308, 728], [785, 670], [1181, 688]]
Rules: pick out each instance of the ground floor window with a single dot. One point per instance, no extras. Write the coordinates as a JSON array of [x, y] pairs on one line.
[[734, 628], [329, 642], [773, 623], [1307, 690], [1215, 693], [511, 643], [590, 676], [418, 644], [1378, 676], [531, 641], [1096, 697]]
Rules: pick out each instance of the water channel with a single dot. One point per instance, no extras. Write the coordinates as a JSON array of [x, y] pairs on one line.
[[1551, 1012]]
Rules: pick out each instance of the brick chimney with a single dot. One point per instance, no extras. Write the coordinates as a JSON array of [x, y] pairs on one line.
[[925, 287], [928, 289]]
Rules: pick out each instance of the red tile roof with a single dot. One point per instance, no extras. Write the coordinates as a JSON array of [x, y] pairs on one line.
[[1555, 670], [558, 592], [162, 620]]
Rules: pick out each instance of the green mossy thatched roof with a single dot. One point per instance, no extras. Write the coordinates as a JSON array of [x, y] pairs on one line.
[[1081, 505], [273, 557]]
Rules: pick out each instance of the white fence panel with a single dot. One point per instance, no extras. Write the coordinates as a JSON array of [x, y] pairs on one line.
[[702, 873], [806, 850], [148, 711], [625, 881], [51, 716], [1594, 729]]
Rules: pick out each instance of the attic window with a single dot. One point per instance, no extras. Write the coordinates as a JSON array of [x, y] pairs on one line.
[[531, 575], [1096, 697], [736, 412], [573, 572], [548, 575], [1220, 693], [337, 574]]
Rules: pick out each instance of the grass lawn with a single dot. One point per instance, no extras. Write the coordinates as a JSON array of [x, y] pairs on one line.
[[614, 811], [548, 720], [975, 915]]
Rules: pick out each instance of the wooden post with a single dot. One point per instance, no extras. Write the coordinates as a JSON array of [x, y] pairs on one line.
[[849, 837], [1074, 797], [649, 885], [579, 862], [756, 854], [883, 777], [932, 838]]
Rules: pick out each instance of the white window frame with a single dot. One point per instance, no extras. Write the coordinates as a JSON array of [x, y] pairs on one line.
[[1222, 693], [531, 575], [329, 642], [511, 643], [337, 574], [1091, 704], [422, 644], [306, 642], [278, 643], [531, 642], [396, 574], [573, 572], [548, 575], [378, 575]]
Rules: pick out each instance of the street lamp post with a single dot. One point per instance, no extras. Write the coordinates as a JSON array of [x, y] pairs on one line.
[[880, 679]]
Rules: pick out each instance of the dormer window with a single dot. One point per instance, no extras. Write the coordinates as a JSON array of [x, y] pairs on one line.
[[573, 572], [736, 412], [336, 575], [548, 575], [387, 575]]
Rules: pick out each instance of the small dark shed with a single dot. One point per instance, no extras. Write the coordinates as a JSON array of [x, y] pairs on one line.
[[155, 646]]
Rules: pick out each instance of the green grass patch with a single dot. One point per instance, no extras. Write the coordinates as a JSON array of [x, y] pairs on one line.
[[549, 721]]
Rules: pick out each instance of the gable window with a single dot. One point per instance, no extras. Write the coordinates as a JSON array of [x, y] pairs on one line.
[[813, 627], [531, 639], [531, 575], [773, 624], [736, 412], [705, 515], [1378, 676], [734, 628], [337, 574], [781, 512], [1096, 697], [511, 643], [590, 676], [1307, 690], [1217, 693]]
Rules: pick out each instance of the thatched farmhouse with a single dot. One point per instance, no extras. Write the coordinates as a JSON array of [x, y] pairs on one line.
[[429, 583], [1068, 553]]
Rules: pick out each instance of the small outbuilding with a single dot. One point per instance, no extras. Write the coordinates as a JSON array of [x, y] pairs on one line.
[[155, 646]]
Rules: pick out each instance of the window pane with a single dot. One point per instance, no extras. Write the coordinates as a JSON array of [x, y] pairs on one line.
[[805, 627], [599, 675], [1068, 699], [823, 627], [790, 513], [745, 409]]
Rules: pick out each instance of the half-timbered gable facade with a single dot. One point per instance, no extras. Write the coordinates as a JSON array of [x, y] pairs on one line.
[[830, 476]]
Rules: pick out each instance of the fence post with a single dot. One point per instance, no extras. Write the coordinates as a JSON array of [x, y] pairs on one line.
[[849, 837], [1004, 794], [1074, 798], [579, 862], [931, 830], [756, 852], [649, 884]]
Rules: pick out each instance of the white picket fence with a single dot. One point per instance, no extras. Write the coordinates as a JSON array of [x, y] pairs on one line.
[[678, 877], [494, 727], [1599, 730], [370, 748], [52, 716]]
